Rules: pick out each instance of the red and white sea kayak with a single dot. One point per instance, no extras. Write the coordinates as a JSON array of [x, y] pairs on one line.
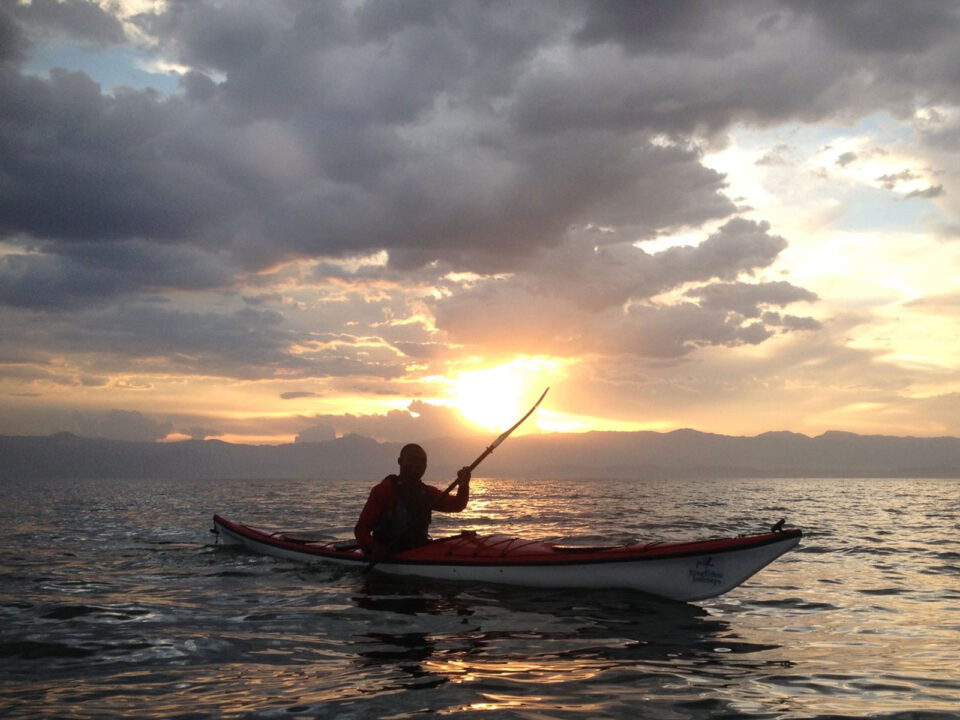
[[676, 570]]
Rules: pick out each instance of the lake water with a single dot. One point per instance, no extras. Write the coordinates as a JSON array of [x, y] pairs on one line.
[[116, 602]]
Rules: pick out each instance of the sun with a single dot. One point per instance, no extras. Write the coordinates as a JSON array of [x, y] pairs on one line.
[[495, 398]]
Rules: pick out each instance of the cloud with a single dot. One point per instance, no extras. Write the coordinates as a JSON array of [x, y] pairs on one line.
[[84, 166], [120, 425], [13, 41], [586, 298], [782, 386], [933, 191], [435, 134], [790, 60], [891, 180], [419, 422], [947, 232], [746, 298], [368, 190], [299, 395], [870, 27], [200, 433], [945, 302], [846, 158], [246, 343], [646, 27], [74, 19], [255, 176], [316, 433], [73, 275], [779, 155]]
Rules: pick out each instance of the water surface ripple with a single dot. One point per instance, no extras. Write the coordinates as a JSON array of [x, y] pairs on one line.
[[115, 601]]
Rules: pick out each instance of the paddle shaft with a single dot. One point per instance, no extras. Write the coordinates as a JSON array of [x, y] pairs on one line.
[[495, 443]]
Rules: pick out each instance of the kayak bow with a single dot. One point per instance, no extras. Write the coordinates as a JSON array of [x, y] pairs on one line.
[[677, 570]]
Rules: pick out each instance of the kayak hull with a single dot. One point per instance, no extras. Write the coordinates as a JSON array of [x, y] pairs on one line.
[[682, 571]]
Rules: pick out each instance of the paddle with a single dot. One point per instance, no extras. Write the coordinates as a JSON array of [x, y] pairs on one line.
[[490, 448], [495, 443]]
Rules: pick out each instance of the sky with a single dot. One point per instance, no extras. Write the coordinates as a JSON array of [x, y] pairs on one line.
[[291, 221]]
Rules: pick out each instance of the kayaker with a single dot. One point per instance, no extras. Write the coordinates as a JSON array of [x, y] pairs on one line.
[[397, 513]]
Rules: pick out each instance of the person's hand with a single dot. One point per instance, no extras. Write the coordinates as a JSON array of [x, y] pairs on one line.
[[463, 475]]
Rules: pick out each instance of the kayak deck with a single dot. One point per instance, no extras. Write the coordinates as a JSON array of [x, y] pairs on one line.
[[689, 570]]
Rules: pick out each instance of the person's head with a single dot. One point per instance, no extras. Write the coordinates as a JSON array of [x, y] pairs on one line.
[[412, 461]]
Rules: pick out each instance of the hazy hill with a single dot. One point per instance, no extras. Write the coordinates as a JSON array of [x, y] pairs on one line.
[[682, 453]]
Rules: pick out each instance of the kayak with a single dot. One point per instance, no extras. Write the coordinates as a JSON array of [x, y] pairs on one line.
[[685, 571]]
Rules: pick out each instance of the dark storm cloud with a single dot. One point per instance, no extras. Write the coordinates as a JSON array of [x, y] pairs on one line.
[[75, 19], [13, 41], [702, 26], [399, 146], [531, 139], [434, 130], [75, 275], [705, 65], [867, 26], [80, 165]]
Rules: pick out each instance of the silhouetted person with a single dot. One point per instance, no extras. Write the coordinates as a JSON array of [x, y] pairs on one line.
[[397, 514]]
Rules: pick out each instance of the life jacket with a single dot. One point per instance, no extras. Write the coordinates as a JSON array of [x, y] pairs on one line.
[[405, 525]]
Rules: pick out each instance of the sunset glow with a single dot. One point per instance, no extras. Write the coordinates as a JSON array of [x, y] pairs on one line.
[[495, 398]]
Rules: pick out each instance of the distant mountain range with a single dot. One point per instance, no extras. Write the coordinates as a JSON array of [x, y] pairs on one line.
[[595, 455]]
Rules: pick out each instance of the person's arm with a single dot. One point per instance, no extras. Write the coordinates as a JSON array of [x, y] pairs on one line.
[[372, 509], [453, 503]]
